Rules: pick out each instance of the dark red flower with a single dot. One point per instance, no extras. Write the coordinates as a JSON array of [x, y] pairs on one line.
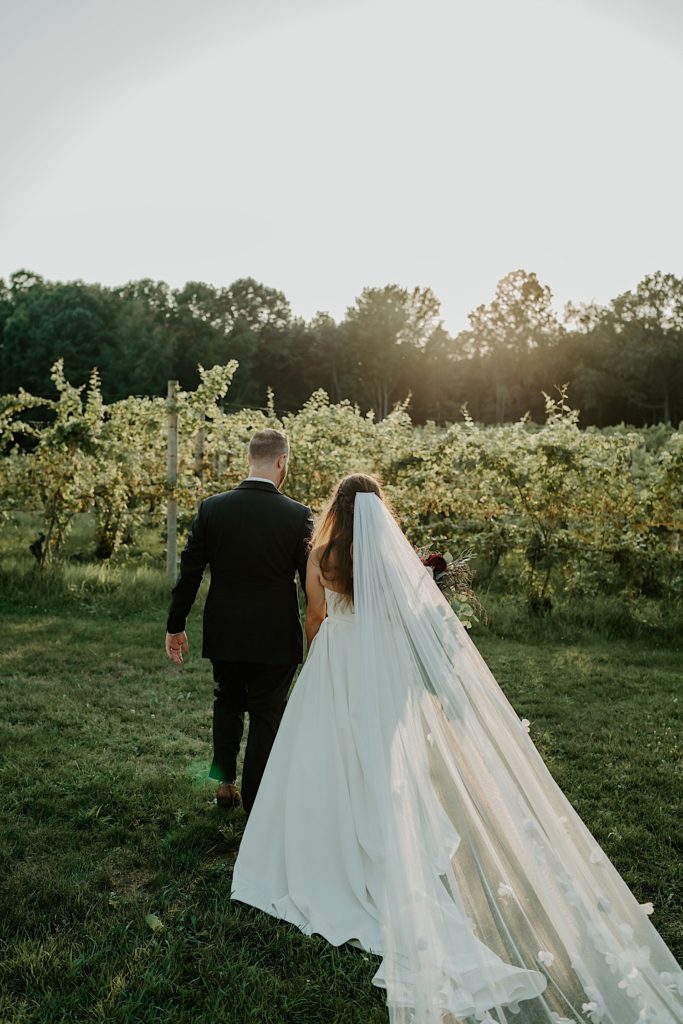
[[435, 561]]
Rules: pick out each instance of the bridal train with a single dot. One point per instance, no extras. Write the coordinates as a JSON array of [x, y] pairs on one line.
[[405, 809]]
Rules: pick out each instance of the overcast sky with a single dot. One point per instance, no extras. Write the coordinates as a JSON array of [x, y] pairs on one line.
[[324, 145]]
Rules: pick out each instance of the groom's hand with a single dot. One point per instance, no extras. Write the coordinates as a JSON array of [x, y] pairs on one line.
[[176, 643]]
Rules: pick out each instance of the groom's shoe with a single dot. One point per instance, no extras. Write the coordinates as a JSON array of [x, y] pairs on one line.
[[228, 795]]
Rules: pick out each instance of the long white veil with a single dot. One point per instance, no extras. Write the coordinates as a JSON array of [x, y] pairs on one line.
[[497, 904]]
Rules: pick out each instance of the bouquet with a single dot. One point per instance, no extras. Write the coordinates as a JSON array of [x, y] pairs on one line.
[[453, 577]]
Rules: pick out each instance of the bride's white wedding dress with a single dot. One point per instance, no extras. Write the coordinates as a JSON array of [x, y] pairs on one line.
[[404, 808]]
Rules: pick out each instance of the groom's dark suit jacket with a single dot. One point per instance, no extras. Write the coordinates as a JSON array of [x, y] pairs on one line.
[[254, 539]]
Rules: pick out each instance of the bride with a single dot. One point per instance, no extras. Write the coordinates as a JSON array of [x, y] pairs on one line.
[[405, 809]]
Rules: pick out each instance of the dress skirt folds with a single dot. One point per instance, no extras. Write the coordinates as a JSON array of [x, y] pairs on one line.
[[312, 849], [406, 810]]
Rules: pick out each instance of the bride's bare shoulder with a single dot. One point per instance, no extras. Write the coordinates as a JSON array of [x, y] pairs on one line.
[[315, 557], [315, 553], [326, 578]]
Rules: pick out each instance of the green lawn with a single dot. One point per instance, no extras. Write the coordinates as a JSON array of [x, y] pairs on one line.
[[107, 816]]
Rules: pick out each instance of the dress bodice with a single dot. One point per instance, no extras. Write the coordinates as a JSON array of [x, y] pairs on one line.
[[339, 608]]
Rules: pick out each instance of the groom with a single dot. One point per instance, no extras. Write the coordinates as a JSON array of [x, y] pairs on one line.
[[254, 539]]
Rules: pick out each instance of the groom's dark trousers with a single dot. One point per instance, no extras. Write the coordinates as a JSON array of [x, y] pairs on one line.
[[254, 539]]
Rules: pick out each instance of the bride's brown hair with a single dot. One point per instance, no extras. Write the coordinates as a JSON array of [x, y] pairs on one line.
[[333, 535]]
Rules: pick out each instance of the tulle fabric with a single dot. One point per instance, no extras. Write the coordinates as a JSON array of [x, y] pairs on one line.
[[496, 904], [404, 808]]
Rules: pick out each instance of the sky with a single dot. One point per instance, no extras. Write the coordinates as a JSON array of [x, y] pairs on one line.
[[322, 146]]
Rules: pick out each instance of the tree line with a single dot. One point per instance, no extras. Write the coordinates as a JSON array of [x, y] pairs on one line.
[[622, 362]]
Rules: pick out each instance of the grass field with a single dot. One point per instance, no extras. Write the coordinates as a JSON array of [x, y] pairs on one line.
[[107, 816]]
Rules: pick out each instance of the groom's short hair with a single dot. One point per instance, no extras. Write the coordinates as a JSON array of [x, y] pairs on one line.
[[267, 445]]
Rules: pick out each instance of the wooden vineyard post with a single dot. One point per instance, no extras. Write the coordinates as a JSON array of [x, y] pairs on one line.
[[171, 482], [199, 450]]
